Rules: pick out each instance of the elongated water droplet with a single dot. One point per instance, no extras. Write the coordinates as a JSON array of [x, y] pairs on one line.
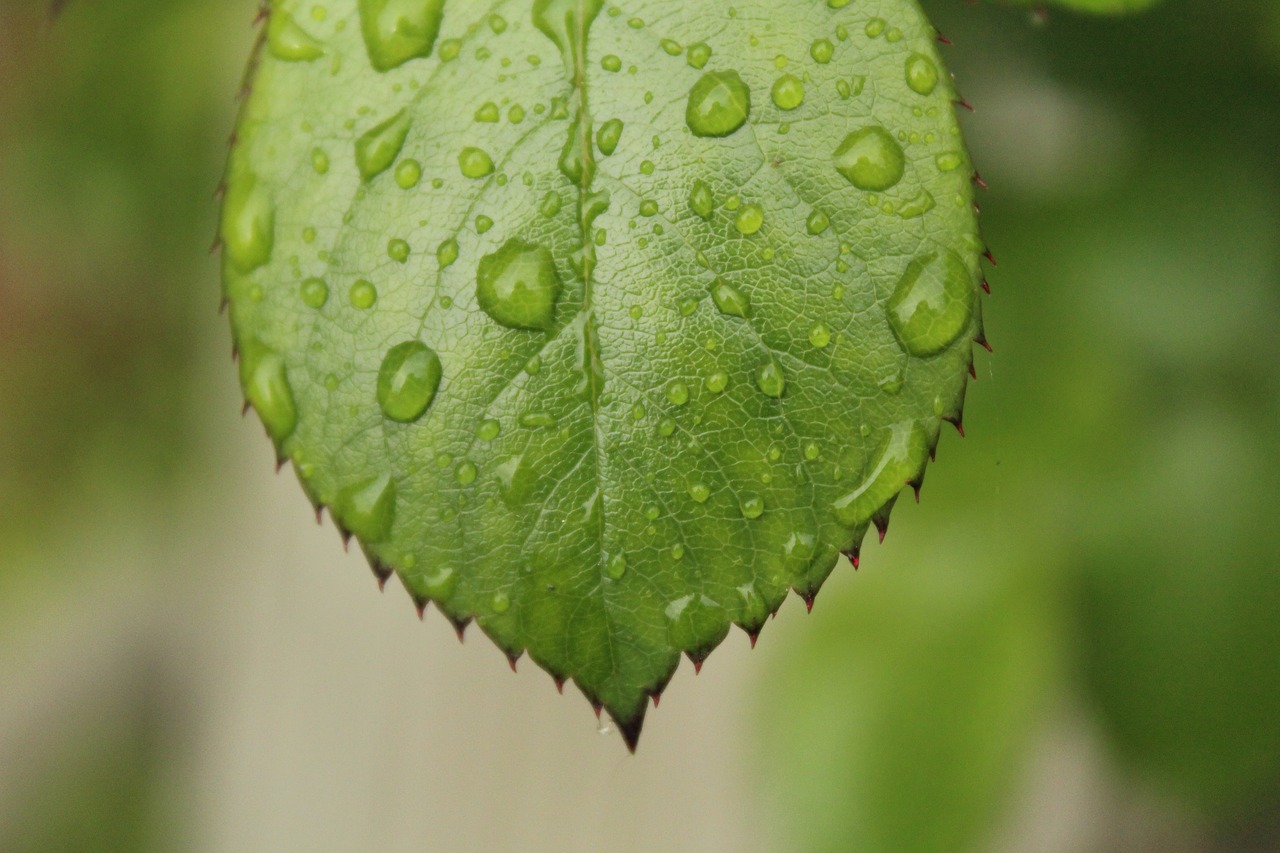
[[932, 304], [719, 104], [378, 148], [608, 135], [248, 223], [899, 461], [368, 508], [871, 159], [617, 566], [289, 42], [408, 380], [396, 31], [518, 286], [266, 387], [729, 299]]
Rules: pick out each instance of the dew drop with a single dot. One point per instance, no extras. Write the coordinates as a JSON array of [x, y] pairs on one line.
[[378, 148], [488, 430], [699, 492], [788, 92], [752, 507], [729, 299], [820, 335], [719, 104], [678, 392], [817, 223], [871, 159], [750, 219], [608, 135], [518, 286], [398, 250], [466, 472], [289, 42], [266, 387], [408, 173], [700, 199], [396, 31], [363, 294], [319, 161], [932, 304], [822, 50], [447, 253], [501, 602], [770, 380], [699, 55], [248, 223], [551, 204], [901, 455], [717, 382], [475, 163], [368, 508], [616, 567], [922, 74], [408, 380], [487, 113], [315, 293]]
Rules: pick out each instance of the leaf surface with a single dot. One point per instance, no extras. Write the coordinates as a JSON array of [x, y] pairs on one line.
[[603, 326]]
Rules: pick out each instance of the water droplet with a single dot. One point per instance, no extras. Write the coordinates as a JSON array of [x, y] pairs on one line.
[[408, 380], [488, 430], [770, 380], [290, 42], [788, 92], [751, 507], [717, 382], [822, 50], [617, 566], [518, 286], [537, 420], [932, 304], [899, 460], [610, 62], [319, 161], [315, 293], [812, 451], [608, 135], [266, 387], [551, 204], [719, 104], [871, 159], [701, 200], [483, 224], [749, 220], [368, 508], [475, 163], [396, 31], [378, 148], [248, 223], [729, 299], [648, 207], [875, 27], [447, 253], [501, 602], [466, 472], [487, 112], [699, 492], [922, 74], [408, 173], [678, 392], [363, 294], [699, 55], [949, 161], [398, 250], [820, 335], [817, 223]]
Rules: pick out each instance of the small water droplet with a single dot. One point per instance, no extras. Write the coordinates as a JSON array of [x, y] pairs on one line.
[[487, 113], [820, 335], [408, 380], [750, 219], [817, 223], [518, 286], [368, 508], [466, 472], [699, 55], [398, 250], [719, 104], [699, 492], [551, 204], [315, 293], [501, 602], [608, 135], [447, 253], [363, 294], [717, 382], [752, 507], [822, 50], [488, 430], [701, 200], [289, 42], [729, 299], [871, 159], [408, 173], [617, 566], [248, 223], [265, 380], [678, 392], [898, 461]]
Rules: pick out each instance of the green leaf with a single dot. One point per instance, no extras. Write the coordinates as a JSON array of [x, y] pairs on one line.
[[604, 329]]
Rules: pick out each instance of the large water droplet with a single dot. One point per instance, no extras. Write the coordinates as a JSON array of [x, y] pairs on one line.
[[719, 104], [475, 163], [378, 148], [368, 508], [899, 461], [408, 380], [289, 42], [396, 31], [871, 159], [608, 135], [248, 223], [518, 285], [267, 389], [932, 304]]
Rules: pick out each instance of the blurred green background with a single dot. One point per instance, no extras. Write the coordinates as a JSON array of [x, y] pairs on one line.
[[1073, 644]]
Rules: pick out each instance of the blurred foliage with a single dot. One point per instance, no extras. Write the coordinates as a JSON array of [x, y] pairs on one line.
[[1102, 540]]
